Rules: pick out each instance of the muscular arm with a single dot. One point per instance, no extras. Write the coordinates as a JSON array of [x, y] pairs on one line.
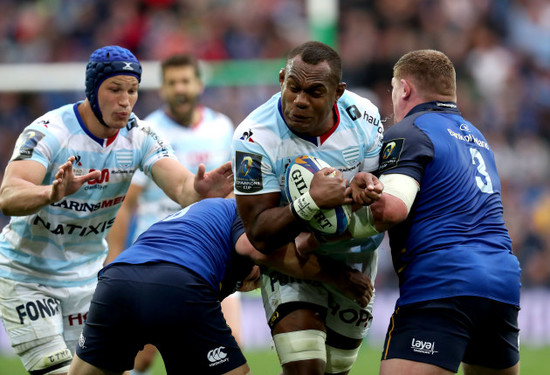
[[184, 187], [118, 234], [394, 205], [21, 192], [286, 260], [268, 225], [176, 181]]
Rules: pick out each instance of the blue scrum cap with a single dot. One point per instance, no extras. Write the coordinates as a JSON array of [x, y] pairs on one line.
[[106, 62]]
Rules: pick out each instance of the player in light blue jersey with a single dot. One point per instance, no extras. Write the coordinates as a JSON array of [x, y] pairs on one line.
[[315, 329], [198, 135], [459, 281], [68, 176]]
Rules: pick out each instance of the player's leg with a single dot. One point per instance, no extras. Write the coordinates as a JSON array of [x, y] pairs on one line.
[[347, 324], [32, 316], [480, 370], [494, 347], [404, 366], [299, 339], [296, 310], [189, 328], [80, 367], [231, 308], [144, 360], [427, 338], [111, 337]]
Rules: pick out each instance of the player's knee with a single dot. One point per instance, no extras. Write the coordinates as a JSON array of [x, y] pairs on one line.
[[300, 345], [47, 356], [340, 360]]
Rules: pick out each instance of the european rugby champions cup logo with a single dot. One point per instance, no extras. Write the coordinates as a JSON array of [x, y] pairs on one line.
[[249, 172], [391, 151]]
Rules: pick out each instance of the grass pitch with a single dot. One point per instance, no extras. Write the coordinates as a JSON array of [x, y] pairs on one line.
[[534, 361]]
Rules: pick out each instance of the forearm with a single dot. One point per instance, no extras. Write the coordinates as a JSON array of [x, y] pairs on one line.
[[187, 194], [23, 198], [274, 228], [118, 235]]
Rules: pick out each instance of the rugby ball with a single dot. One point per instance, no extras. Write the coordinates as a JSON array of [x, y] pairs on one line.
[[298, 176]]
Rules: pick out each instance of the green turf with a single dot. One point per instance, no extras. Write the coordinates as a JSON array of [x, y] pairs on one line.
[[534, 361]]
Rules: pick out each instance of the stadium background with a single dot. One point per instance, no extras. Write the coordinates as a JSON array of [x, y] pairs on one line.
[[501, 49]]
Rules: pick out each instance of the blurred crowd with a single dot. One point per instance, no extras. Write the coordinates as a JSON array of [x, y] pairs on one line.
[[501, 49]]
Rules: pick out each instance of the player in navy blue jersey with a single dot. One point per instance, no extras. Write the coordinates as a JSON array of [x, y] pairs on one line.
[[459, 280], [167, 287]]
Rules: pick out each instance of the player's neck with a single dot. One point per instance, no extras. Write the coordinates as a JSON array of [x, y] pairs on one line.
[[92, 123], [188, 120]]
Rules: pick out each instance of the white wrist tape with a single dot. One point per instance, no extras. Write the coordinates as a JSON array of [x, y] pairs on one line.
[[304, 207], [362, 223]]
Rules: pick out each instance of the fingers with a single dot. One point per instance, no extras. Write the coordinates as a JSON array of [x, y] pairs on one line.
[[201, 171]]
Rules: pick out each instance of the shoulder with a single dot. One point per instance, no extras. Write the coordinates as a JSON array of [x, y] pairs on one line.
[[358, 110], [211, 115], [351, 102], [264, 125]]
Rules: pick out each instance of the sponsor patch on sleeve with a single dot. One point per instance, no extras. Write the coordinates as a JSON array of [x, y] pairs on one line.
[[390, 154], [248, 176], [26, 144]]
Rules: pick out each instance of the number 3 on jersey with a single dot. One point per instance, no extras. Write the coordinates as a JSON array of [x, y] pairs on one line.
[[484, 182]]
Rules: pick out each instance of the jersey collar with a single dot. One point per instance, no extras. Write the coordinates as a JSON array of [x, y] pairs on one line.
[[101, 141], [435, 106]]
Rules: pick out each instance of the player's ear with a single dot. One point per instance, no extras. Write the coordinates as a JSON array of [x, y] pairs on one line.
[[281, 76], [340, 89], [407, 88]]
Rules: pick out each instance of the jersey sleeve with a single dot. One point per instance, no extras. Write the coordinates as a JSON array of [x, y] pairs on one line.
[[406, 150], [252, 167], [37, 142], [154, 148]]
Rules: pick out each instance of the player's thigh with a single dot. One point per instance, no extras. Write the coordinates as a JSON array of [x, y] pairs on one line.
[[33, 319], [241, 370], [433, 333], [189, 328], [283, 294], [75, 304], [110, 338], [494, 342], [407, 367], [480, 370], [80, 367], [29, 311]]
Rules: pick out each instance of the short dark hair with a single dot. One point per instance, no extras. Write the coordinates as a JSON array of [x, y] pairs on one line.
[[184, 59], [314, 52]]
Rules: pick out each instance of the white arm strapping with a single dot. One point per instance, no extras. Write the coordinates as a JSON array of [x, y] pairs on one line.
[[402, 187], [361, 224]]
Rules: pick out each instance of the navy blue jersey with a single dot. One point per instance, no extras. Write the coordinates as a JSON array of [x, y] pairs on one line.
[[201, 238], [454, 241]]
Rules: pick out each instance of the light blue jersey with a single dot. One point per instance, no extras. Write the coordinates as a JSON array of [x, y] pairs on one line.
[[63, 244], [264, 146], [207, 142]]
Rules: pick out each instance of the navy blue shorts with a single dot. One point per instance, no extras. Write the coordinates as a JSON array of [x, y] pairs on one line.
[[446, 332], [162, 304]]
